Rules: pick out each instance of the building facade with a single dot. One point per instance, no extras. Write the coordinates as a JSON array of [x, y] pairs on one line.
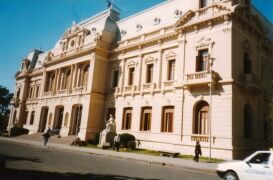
[[180, 72]]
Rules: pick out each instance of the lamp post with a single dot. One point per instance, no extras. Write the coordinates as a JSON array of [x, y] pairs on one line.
[[210, 111]]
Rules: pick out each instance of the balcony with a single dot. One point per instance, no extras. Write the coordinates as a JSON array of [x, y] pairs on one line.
[[250, 81], [49, 93], [129, 89], [114, 90], [80, 89], [148, 87], [15, 101], [32, 100], [62, 91], [200, 78], [200, 138], [168, 85]]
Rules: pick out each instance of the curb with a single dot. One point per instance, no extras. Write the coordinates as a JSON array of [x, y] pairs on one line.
[[91, 152]]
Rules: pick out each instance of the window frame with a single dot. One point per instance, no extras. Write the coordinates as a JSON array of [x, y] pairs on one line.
[[166, 123], [143, 122]]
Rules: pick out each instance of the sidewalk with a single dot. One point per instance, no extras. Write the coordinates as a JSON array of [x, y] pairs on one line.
[[158, 160]]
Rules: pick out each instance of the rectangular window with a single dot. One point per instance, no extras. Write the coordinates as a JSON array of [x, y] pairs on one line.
[[127, 119], [32, 118], [203, 3], [171, 68], [115, 79], [146, 116], [30, 93], [247, 64], [131, 76], [167, 119], [37, 91], [202, 61], [149, 73]]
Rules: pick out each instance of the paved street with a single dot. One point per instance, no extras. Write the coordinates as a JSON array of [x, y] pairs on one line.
[[19, 161]]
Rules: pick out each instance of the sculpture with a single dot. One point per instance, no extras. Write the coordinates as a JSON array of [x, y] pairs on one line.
[[110, 125], [108, 134]]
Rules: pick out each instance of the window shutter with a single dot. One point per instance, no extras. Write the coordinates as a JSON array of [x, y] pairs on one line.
[[197, 63]]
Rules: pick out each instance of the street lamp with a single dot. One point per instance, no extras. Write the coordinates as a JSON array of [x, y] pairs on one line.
[[210, 112]]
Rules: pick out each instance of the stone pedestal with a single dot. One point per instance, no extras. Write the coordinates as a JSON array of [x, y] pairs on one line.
[[107, 139]]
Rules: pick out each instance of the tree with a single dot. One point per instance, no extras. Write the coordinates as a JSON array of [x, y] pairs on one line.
[[5, 97]]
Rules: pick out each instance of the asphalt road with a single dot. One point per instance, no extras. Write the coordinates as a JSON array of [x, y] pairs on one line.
[[19, 161]]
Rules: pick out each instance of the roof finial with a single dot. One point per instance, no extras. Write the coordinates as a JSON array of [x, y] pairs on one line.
[[73, 23]]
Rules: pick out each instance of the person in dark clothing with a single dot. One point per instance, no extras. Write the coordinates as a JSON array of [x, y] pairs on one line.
[[46, 137], [197, 152], [116, 142]]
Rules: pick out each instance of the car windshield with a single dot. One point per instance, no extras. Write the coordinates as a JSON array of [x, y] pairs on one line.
[[260, 158]]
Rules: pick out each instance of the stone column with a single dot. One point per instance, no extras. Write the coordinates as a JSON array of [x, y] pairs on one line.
[[140, 73], [44, 81], [159, 66], [123, 75]]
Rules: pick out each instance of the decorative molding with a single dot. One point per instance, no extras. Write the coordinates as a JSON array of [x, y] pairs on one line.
[[204, 42], [170, 55], [150, 59]]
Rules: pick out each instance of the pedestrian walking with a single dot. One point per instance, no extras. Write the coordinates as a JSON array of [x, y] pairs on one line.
[[46, 137], [197, 152], [49, 131], [116, 142]]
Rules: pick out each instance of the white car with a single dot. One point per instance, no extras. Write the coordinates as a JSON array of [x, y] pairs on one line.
[[258, 166]]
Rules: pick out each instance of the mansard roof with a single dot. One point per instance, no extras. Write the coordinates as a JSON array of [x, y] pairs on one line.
[[163, 15]]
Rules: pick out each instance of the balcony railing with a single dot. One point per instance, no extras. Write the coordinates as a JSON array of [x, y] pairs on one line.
[[15, 101], [168, 85], [49, 93], [148, 87], [114, 90], [199, 137], [129, 89], [200, 78], [80, 89], [62, 91]]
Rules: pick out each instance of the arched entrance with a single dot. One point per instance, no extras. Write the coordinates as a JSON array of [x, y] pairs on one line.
[[201, 118], [75, 122], [43, 119], [58, 119]]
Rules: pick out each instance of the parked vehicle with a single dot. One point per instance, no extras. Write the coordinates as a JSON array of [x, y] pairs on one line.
[[258, 166]]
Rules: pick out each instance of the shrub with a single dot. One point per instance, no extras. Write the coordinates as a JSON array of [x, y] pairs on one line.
[[17, 131], [131, 145], [125, 138]]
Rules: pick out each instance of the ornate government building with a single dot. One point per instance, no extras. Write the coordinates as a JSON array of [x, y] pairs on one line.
[[179, 72]]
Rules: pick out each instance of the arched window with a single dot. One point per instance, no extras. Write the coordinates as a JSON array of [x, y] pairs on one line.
[[85, 76], [248, 121], [201, 118]]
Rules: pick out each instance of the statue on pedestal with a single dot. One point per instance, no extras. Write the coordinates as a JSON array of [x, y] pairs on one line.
[[108, 134]]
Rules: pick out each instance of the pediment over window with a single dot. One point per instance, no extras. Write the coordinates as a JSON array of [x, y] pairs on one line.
[[131, 63], [150, 59], [213, 12], [171, 55], [203, 42], [185, 18]]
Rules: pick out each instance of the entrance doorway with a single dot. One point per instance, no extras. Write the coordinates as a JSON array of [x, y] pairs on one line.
[[75, 124], [58, 119], [43, 119]]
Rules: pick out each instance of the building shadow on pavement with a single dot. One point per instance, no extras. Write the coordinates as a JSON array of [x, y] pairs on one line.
[[14, 174]]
